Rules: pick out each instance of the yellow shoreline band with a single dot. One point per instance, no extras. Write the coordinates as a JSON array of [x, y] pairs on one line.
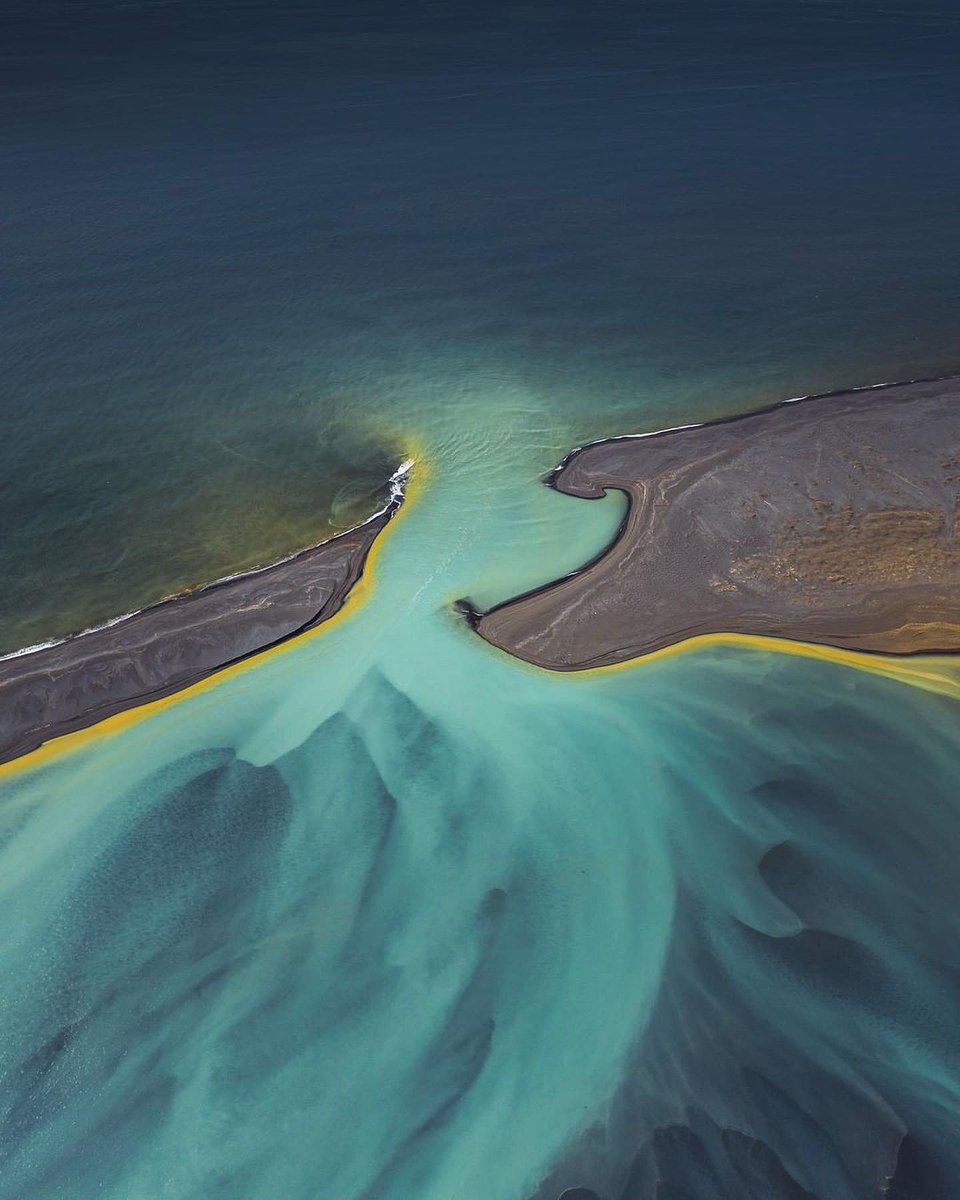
[[928, 672], [931, 671], [358, 594]]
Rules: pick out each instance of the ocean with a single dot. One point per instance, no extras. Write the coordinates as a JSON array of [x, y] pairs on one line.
[[388, 913]]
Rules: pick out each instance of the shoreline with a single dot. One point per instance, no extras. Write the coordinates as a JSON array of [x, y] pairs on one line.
[[131, 662], [524, 624], [550, 477], [395, 485], [472, 615]]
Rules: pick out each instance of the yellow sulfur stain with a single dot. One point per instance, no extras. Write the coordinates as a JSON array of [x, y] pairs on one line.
[[58, 746], [933, 673]]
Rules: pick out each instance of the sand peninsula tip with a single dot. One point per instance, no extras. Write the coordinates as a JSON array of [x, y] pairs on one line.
[[830, 519], [49, 691]]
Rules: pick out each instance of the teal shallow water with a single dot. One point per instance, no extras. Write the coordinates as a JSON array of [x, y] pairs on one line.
[[394, 915]]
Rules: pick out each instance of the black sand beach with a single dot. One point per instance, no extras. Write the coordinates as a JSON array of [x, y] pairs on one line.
[[163, 649], [831, 519]]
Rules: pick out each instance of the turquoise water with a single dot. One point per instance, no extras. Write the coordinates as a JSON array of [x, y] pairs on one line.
[[394, 915], [389, 914]]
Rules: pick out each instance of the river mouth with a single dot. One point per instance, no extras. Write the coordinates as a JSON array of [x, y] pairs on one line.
[[390, 913]]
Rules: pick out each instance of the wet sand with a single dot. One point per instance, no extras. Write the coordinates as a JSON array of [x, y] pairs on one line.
[[831, 519], [170, 646]]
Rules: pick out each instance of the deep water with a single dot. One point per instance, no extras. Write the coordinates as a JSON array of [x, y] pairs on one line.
[[389, 914], [246, 245]]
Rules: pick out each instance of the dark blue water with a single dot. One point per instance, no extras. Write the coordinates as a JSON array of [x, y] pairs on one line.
[[245, 244]]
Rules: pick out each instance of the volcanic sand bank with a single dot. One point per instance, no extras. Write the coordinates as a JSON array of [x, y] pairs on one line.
[[170, 646], [831, 519]]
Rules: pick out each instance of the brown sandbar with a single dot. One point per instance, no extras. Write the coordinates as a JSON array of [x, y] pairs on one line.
[[172, 645], [833, 519]]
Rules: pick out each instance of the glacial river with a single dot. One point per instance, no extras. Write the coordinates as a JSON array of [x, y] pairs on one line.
[[386, 913]]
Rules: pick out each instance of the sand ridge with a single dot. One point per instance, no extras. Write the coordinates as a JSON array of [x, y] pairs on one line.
[[832, 519]]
